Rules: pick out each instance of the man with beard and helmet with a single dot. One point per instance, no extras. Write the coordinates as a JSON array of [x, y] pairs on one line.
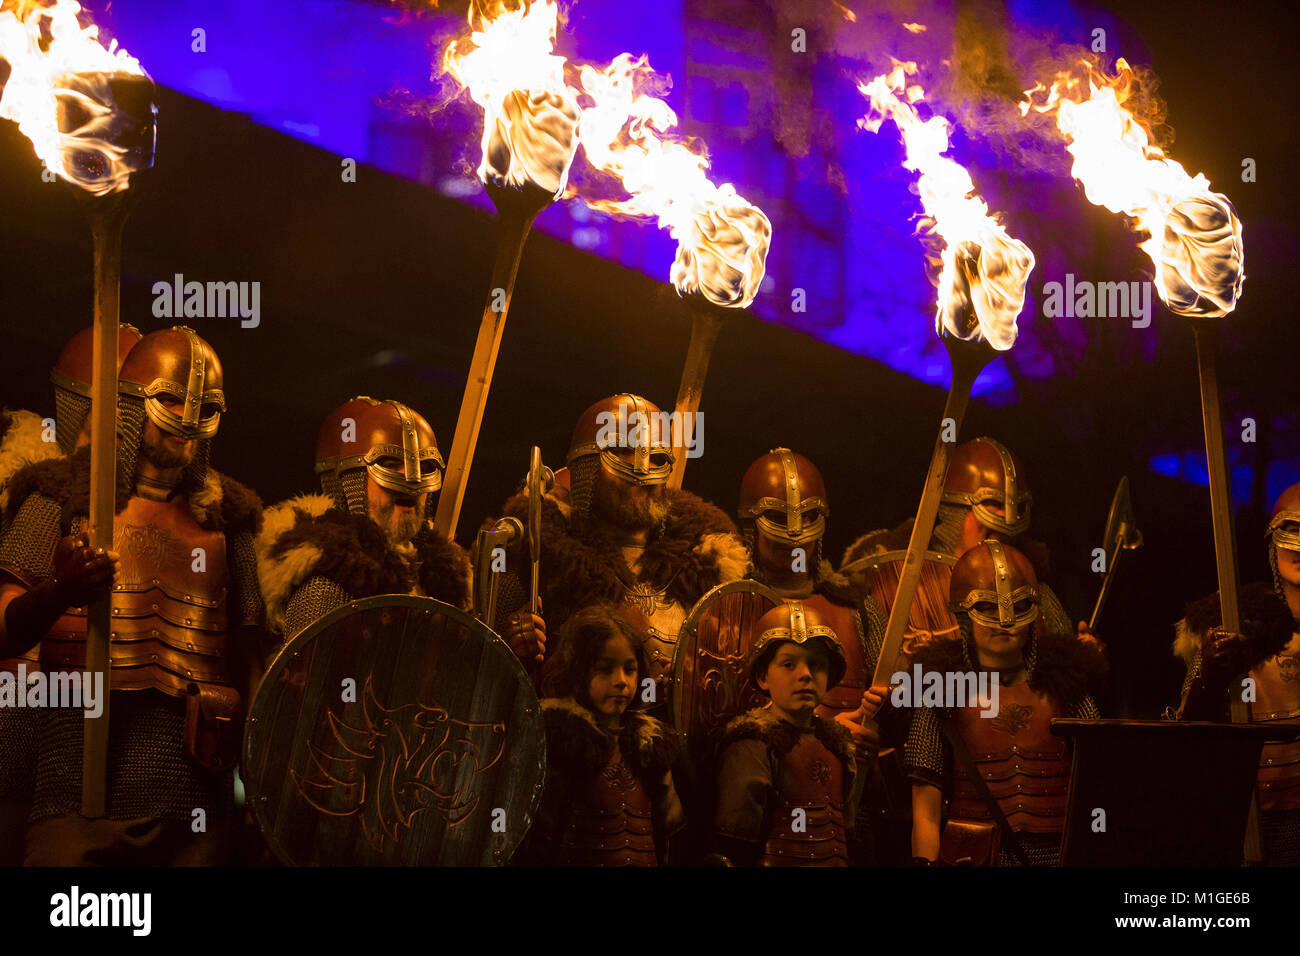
[[618, 534], [186, 615], [24, 440], [1025, 674], [985, 495], [367, 533], [1268, 651]]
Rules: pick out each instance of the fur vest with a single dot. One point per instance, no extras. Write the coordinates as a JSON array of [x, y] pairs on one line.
[[222, 504], [309, 536], [780, 736], [21, 444], [694, 550], [1266, 624], [1064, 666]]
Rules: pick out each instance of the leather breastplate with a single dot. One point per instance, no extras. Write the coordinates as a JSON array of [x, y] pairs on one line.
[[1277, 693], [1024, 766], [665, 616], [611, 823], [847, 624], [811, 778], [929, 617], [169, 604]]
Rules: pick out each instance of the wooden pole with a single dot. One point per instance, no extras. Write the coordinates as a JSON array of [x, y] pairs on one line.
[[968, 360], [1225, 554], [106, 220], [517, 209], [706, 323]]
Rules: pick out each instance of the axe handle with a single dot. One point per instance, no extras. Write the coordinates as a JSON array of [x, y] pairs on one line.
[[1105, 588]]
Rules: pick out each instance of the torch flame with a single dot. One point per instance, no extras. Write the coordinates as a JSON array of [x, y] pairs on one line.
[[57, 65], [982, 271], [722, 239], [530, 118], [1193, 234]]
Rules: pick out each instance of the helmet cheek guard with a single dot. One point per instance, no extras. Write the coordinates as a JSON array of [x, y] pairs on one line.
[[991, 565], [1290, 540]]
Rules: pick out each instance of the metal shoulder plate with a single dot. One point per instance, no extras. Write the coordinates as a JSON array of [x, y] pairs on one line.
[[713, 645], [394, 731]]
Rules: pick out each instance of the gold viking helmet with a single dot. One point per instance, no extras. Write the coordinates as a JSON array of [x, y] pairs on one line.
[[375, 431], [626, 421], [797, 622], [177, 363], [995, 585], [985, 470], [778, 490], [1285, 511]]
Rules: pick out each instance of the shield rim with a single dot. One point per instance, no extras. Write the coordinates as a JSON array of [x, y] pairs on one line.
[[290, 650], [692, 621]]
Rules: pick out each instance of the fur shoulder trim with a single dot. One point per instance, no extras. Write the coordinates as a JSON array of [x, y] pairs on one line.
[[306, 537], [444, 567], [780, 736], [727, 552], [224, 504], [64, 480], [21, 444], [577, 745], [1067, 668], [1266, 623]]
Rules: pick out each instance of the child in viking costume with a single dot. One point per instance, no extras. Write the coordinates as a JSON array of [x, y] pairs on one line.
[[610, 799], [787, 779], [992, 754]]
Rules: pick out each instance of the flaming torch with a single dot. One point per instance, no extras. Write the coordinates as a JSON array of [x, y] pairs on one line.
[[1193, 237], [90, 115], [722, 240], [530, 124], [980, 272]]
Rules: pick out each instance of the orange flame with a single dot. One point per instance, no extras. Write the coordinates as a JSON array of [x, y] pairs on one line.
[[45, 45], [722, 239], [982, 271], [530, 117], [1193, 234]]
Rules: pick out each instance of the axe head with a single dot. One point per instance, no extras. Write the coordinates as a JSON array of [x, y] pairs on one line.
[[1121, 529]]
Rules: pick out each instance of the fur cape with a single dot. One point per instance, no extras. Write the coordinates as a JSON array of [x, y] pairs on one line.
[[1064, 667], [885, 539], [780, 736], [22, 442], [577, 747], [1266, 624], [222, 504], [309, 536], [695, 549]]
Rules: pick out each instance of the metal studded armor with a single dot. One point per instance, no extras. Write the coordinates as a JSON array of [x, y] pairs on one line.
[[609, 823]]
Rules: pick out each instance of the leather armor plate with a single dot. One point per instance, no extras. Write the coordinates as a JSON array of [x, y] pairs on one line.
[[612, 823], [811, 778], [1277, 684], [395, 731]]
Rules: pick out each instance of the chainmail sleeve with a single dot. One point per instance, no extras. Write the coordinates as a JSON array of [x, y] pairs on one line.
[[27, 552], [246, 607], [311, 601], [874, 622], [1054, 614], [924, 754]]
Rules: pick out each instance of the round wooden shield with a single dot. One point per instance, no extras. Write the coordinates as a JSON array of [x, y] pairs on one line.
[[709, 682], [395, 731]]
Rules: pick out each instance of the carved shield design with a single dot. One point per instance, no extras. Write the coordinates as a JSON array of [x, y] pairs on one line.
[[709, 682], [395, 731]]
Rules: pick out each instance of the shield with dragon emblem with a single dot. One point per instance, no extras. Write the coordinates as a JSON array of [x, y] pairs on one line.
[[709, 682], [395, 731]]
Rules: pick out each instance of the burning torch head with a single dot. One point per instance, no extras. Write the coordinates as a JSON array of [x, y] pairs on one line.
[[108, 129], [390, 442], [985, 473], [801, 624], [71, 377], [1284, 539], [994, 585], [783, 495], [178, 377]]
